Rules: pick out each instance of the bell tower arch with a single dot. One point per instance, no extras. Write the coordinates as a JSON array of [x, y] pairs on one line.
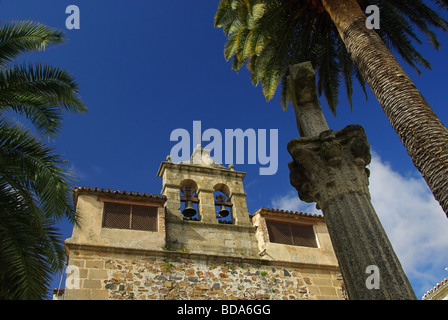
[[203, 178]]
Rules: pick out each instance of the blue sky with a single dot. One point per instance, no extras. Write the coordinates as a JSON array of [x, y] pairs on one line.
[[146, 68]]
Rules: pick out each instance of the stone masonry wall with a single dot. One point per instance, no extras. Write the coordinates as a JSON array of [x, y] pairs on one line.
[[177, 275]]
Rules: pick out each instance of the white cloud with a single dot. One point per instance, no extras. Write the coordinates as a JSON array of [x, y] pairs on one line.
[[414, 222], [291, 202]]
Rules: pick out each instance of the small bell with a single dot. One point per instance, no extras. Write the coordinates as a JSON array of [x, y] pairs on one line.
[[223, 212], [189, 211]]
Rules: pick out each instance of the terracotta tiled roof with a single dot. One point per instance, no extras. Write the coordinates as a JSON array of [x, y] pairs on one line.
[[437, 287], [286, 212], [107, 192]]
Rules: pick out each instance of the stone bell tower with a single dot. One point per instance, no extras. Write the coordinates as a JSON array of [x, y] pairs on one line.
[[197, 191], [196, 241]]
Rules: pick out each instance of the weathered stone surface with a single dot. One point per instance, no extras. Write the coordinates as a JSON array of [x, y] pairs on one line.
[[307, 108], [240, 281], [330, 164]]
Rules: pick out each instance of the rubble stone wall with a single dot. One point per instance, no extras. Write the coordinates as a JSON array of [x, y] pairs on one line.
[[176, 275]]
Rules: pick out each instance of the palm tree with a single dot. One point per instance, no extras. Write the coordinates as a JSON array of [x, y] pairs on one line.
[[271, 35], [35, 184]]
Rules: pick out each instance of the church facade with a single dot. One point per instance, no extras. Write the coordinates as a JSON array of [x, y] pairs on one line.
[[196, 240]]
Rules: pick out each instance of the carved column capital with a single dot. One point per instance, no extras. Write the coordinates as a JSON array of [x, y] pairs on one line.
[[330, 164]]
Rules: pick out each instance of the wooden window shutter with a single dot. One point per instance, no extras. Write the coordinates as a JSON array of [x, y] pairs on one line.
[[116, 215], [303, 235], [279, 232], [128, 216], [291, 233], [144, 218]]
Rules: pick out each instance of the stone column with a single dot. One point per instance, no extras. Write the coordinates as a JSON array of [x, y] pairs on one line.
[[302, 83], [329, 169]]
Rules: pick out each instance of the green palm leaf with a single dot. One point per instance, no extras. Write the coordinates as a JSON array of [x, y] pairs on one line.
[[30, 251], [24, 36], [41, 93], [35, 184], [283, 33], [35, 172], [35, 191]]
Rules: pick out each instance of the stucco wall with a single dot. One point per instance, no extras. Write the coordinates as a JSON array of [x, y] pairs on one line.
[[91, 231]]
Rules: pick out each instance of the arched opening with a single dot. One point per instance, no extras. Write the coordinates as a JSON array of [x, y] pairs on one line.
[[223, 207], [188, 196]]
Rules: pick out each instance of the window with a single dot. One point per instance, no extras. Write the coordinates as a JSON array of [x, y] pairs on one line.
[[291, 233], [129, 216]]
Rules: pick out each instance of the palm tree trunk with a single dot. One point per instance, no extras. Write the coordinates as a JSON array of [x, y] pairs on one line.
[[420, 130]]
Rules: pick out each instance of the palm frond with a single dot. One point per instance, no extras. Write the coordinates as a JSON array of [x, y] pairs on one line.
[[21, 37], [442, 3], [347, 69], [30, 251], [35, 183], [35, 172], [327, 65], [40, 92], [271, 35]]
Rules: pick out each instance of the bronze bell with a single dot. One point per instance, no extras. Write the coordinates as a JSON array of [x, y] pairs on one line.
[[189, 211], [223, 212]]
